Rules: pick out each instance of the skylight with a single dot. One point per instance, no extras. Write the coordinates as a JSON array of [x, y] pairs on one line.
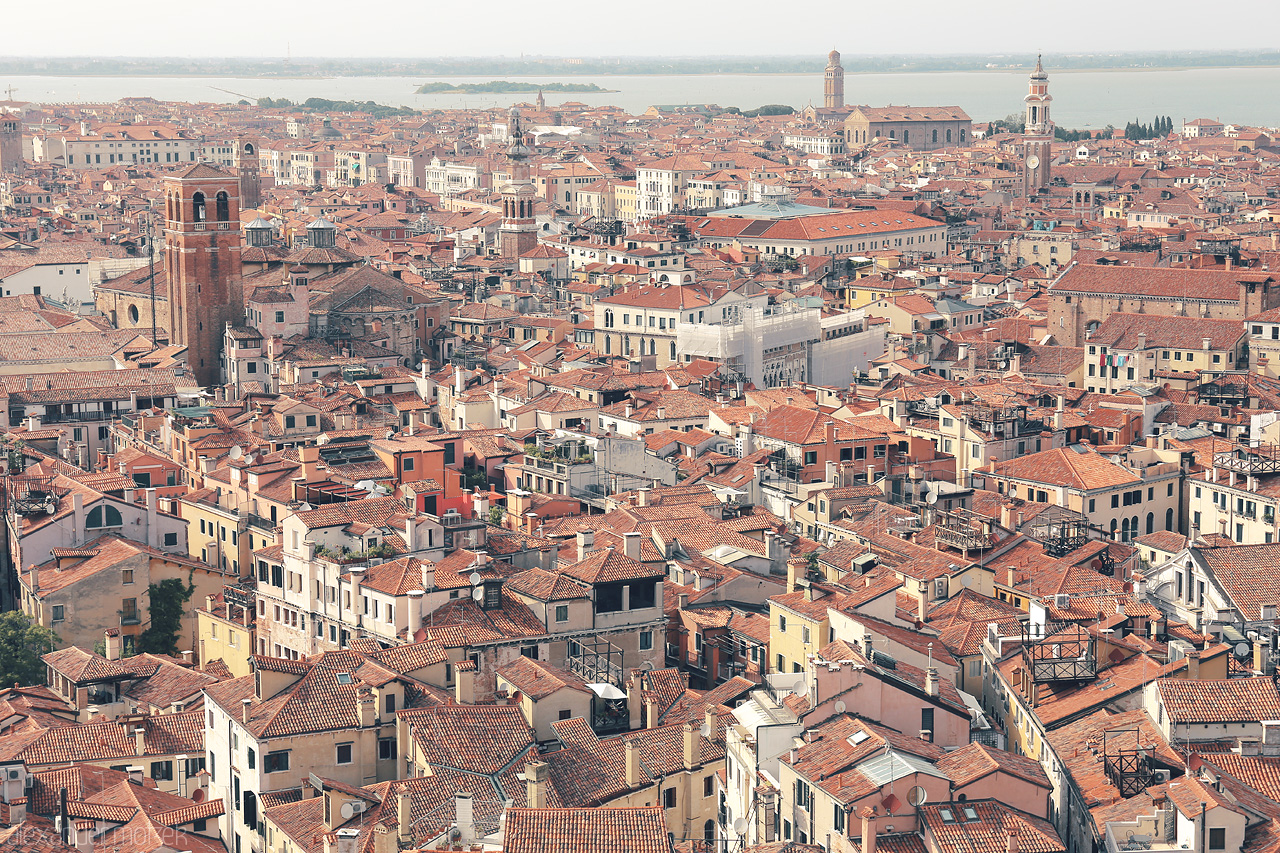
[[344, 678]]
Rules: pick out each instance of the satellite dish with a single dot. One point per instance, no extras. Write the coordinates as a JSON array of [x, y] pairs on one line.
[[478, 593], [841, 707], [348, 811], [366, 485], [916, 795], [1095, 564], [931, 498], [740, 826], [236, 452], [475, 579], [197, 796], [1242, 650], [966, 581], [705, 730]]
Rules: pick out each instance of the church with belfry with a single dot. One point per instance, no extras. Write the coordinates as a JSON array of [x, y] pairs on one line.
[[833, 109], [1037, 145]]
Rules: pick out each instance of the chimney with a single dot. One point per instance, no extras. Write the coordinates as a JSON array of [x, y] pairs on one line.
[[868, 839], [642, 497], [82, 698], [140, 740], [309, 456], [415, 611], [535, 779], [112, 644], [931, 685], [411, 533], [631, 545], [692, 746], [464, 683], [135, 774], [1011, 841], [922, 608], [635, 705], [683, 601], [586, 539], [244, 710], [77, 511], [1193, 664], [631, 750], [464, 817], [1059, 414], [1006, 516], [344, 841], [404, 816]]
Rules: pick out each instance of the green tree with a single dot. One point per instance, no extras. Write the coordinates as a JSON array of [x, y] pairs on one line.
[[168, 602], [496, 514], [21, 645]]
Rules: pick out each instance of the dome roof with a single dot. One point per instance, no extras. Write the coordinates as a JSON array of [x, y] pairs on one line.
[[322, 223], [261, 223], [326, 131]]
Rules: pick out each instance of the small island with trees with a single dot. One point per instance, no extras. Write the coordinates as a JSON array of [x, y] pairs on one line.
[[506, 87]]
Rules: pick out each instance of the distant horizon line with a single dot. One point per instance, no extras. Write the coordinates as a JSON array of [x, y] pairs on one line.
[[1067, 53]]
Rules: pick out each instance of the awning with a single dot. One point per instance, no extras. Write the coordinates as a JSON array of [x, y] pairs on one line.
[[606, 690]]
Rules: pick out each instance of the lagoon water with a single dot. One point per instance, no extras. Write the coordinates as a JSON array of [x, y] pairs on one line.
[[1082, 99]]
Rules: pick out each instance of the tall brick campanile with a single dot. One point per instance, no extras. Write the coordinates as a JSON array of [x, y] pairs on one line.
[[250, 177], [202, 260], [833, 82]]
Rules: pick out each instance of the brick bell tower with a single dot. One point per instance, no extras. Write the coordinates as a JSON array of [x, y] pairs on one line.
[[1038, 133], [202, 262], [518, 232], [246, 160], [10, 143], [833, 82]]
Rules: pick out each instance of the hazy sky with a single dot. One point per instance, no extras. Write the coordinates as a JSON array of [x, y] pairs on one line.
[[656, 27]]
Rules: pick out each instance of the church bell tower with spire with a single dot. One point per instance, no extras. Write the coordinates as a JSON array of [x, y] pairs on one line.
[[1038, 133], [518, 233]]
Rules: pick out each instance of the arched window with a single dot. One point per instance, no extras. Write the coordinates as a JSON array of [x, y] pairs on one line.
[[1114, 525], [224, 207], [948, 134], [103, 515], [709, 830], [1168, 519], [673, 350], [608, 345], [1151, 522], [935, 134], [197, 207], [248, 149], [1124, 530], [608, 319]]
